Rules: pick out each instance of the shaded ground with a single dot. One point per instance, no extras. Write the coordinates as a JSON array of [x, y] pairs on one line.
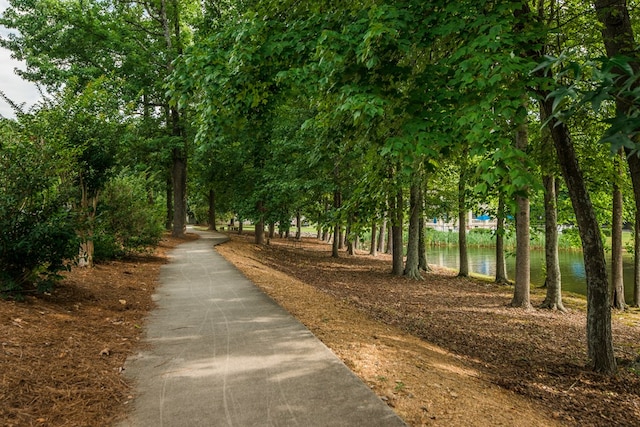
[[445, 351], [61, 354], [536, 358]]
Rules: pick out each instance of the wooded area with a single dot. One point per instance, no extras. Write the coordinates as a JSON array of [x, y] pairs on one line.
[[366, 116]]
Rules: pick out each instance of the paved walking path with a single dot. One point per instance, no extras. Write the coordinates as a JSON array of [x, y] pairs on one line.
[[219, 352]]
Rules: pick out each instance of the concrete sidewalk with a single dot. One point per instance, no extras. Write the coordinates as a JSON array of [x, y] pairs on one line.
[[221, 353]]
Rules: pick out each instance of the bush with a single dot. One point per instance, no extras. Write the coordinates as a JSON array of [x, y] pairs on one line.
[[38, 232], [127, 221]]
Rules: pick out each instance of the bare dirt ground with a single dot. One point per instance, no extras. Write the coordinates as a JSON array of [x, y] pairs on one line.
[[444, 351]]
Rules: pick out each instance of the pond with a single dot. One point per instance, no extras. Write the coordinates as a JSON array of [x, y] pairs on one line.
[[482, 261]]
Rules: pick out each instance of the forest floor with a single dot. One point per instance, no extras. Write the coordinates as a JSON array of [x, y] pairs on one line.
[[443, 351]]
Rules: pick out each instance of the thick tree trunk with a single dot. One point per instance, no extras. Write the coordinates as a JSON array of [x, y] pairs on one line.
[[259, 232], [412, 264], [272, 229], [89, 206], [617, 277], [501, 265], [398, 246], [382, 233], [462, 222], [521, 293], [599, 334], [335, 251], [389, 248], [212, 211], [553, 298]]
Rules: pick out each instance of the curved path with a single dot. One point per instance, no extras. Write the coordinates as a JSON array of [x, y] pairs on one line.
[[219, 352]]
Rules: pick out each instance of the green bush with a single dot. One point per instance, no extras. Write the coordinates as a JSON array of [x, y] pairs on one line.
[[127, 220], [38, 231]]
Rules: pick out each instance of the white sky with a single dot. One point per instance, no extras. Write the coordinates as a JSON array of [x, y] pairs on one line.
[[13, 86]]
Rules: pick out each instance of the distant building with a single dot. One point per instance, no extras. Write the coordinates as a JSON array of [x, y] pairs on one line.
[[473, 221]]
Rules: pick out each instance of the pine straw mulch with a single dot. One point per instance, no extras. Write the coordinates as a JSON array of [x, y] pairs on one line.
[[61, 354], [536, 355]]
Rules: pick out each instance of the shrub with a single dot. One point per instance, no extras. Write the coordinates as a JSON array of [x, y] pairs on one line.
[[38, 232], [127, 220]]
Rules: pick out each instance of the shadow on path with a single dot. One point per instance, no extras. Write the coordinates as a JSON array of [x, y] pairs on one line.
[[219, 352]]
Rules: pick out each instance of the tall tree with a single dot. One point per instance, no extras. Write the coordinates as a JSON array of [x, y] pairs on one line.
[[521, 295], [412, 264], [463, 212], [599, 334], [617, 276], [553, 282], [501, 265]]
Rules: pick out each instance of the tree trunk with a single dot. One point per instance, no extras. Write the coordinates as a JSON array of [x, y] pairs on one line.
[[179, 180], [462, 224], [553, 282], [88, 205], [599, 334], [382, 234], [422, 242], [298, 226], [272, 229], [349, 239], [373, 250], [617, 277], [521, 293], [636, 261], [179, 154], [412, 264], [337, 233], [169, 218], [396, 228], [212, 211], [389, 249], [501, 265], [259, 232]]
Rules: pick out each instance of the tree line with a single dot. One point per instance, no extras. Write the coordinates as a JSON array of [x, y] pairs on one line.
[[361, 115]]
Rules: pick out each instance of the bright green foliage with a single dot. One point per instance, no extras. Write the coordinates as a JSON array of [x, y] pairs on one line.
[[596, 84], [128, 221]]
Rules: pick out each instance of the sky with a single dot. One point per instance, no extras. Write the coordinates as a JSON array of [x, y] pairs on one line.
[[14, 87]]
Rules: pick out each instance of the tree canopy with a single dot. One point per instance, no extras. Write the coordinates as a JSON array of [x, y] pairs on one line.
[[350, 114]]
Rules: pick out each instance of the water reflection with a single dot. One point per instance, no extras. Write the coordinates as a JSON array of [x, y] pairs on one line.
[[482, 261]]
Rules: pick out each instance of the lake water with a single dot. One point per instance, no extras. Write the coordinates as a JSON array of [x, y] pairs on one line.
[[482, 260]]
